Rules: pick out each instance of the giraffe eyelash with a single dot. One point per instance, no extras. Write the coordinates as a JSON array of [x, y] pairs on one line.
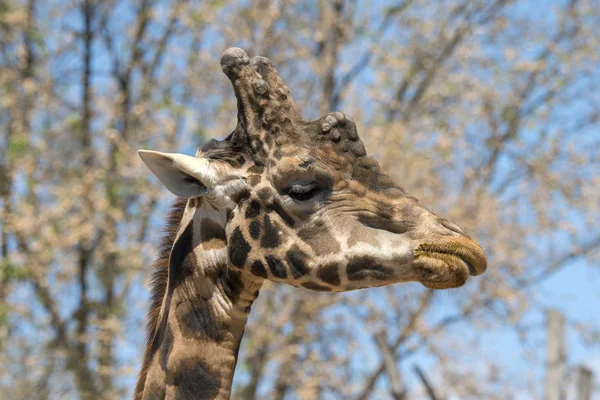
[[303, 192]]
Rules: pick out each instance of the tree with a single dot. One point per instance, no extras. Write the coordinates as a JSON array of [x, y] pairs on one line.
[[486, 110]]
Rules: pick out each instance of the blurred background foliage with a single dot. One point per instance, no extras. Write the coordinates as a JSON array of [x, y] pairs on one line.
[[487, 110]]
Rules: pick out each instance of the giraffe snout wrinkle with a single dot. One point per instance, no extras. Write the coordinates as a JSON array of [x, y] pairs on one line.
[[453, 227]]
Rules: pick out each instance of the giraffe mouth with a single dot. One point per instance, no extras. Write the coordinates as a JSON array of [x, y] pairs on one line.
[[449, 263], [465, 249]]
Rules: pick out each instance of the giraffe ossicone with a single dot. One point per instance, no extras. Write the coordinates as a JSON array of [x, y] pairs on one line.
[[283, 199]]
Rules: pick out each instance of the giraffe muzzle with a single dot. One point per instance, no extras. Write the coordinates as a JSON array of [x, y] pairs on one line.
[[462, 248], [448, 263]]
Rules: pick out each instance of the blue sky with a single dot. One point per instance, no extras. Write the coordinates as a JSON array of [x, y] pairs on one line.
[[574, 290]]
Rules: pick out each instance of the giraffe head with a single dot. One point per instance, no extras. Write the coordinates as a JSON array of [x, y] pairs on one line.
[[303, 203]]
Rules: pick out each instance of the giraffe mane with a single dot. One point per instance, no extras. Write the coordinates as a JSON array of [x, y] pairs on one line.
[[158, 285]]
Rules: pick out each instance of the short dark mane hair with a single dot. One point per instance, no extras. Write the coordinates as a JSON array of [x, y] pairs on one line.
[[158, 286]]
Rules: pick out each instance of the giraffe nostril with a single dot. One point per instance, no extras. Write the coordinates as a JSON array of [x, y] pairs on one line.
[[472, 269], [453, 227]]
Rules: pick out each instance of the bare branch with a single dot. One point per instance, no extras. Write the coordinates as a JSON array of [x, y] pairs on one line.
[[391, 367], [426, 383]]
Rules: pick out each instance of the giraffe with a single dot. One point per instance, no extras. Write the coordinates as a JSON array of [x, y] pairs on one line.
[[282, 199]]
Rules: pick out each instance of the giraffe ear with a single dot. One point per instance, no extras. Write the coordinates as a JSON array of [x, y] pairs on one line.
[[184, 176]]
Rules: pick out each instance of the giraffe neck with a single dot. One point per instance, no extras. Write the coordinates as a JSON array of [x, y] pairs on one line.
[[194, 350]]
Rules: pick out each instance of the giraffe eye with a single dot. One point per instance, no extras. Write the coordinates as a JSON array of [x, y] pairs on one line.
[[303, 192]]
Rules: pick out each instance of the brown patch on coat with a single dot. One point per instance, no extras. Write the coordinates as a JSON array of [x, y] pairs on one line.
[[212, 235], [329, 274], [320, 239], [254, 179], [315, 286], [362, 234], [201, 319], [194, 378]]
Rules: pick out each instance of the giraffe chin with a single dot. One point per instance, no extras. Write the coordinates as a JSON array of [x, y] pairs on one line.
[[441, 271]]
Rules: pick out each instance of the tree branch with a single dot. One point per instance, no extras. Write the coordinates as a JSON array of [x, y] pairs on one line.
[[391, 367], [426, 383]]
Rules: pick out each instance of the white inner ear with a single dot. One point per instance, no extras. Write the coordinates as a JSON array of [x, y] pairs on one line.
[[183, 175]]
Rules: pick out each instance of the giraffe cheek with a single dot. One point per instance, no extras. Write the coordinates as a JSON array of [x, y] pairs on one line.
[[320, 239], [365, 268]]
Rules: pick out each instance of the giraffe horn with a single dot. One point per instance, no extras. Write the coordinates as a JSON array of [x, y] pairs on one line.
[[264, 102], [251, 91], [278, 89]]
